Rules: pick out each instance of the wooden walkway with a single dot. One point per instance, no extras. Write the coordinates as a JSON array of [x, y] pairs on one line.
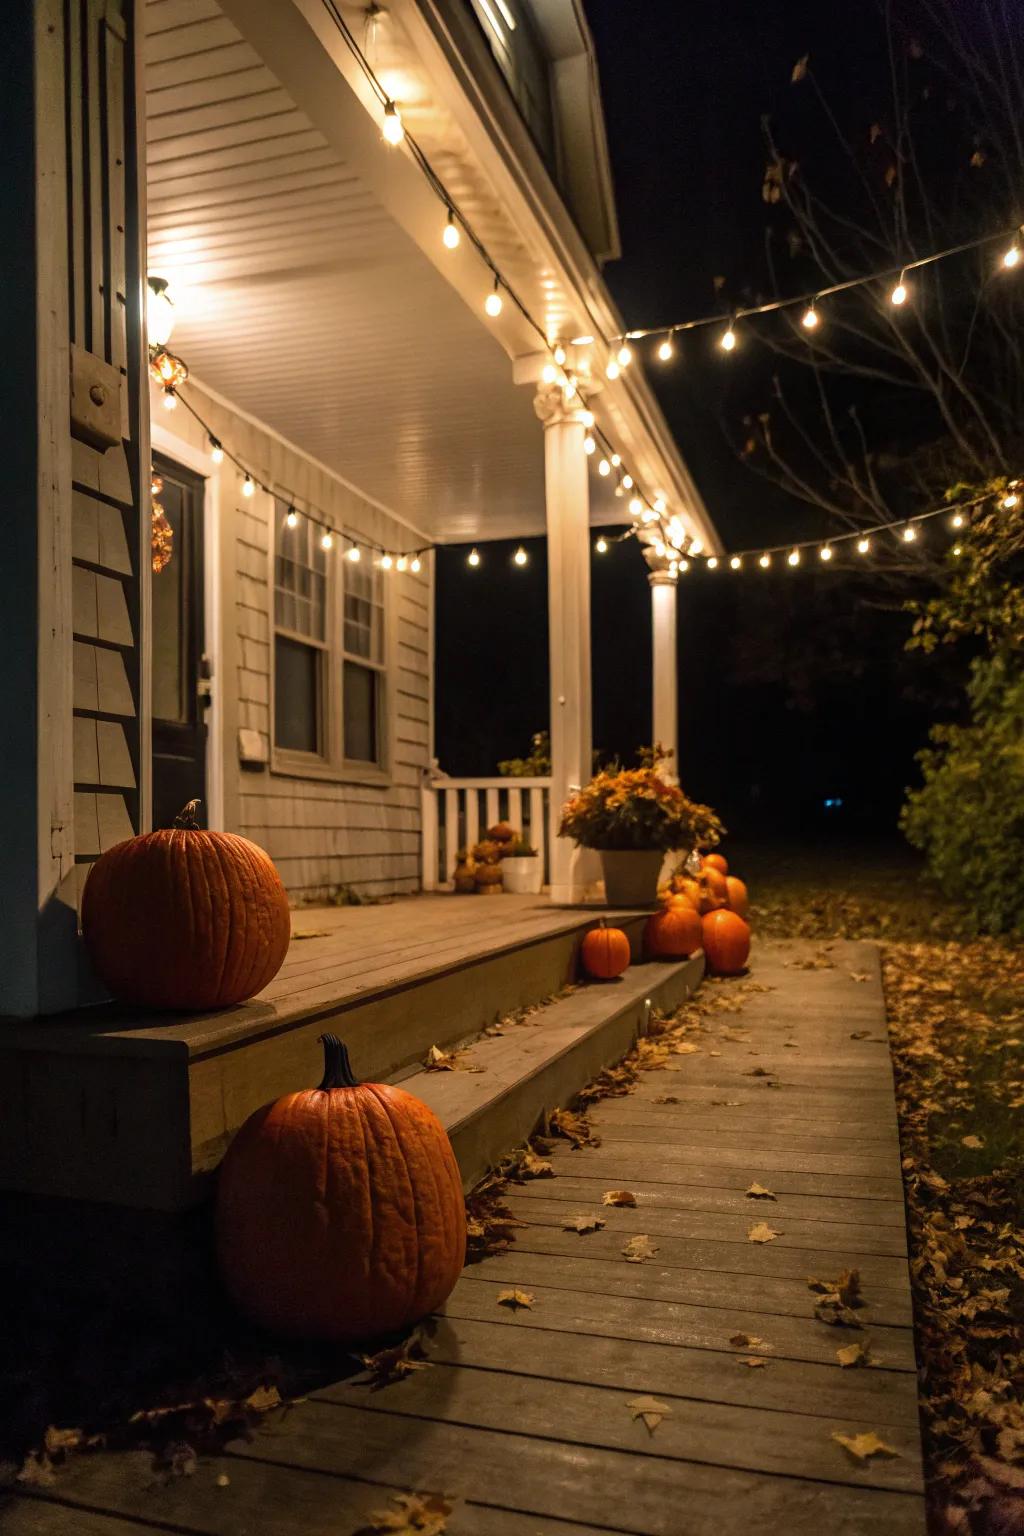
[[529, 1418]]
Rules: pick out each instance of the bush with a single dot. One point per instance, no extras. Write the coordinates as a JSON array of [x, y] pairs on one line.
[[968, 816]]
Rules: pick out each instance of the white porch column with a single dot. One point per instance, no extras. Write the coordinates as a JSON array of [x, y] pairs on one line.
[[664, 678], [567, 495]]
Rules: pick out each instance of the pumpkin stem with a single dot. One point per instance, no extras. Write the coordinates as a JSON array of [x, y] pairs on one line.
[[337, 1067], [187, 819]]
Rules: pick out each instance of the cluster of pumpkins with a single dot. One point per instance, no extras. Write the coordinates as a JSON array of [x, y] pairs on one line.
[[705, 911], [478, 869]]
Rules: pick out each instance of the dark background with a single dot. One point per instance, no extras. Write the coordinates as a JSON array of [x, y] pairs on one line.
[[794, 686]]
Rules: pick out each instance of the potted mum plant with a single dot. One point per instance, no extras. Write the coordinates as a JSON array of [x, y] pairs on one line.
[[633, 817], [522, 870]]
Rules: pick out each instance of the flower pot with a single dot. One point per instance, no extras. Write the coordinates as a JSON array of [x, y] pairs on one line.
[[631, 876], [523, 876]]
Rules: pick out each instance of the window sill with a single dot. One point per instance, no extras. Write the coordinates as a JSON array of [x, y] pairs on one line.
[[302, 765]]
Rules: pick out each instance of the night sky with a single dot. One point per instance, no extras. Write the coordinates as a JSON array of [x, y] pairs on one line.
[[794, 688]]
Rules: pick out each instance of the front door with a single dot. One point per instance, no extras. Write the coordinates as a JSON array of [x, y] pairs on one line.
[[180, 686]]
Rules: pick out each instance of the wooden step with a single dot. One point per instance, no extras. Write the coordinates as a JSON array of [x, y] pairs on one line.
[[505, 1083]]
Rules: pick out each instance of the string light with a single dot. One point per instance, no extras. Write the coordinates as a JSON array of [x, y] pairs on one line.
[[636, 506], [793, 558], [292, 518], [1010, 500], [354, 554], [392, 129], [520, 557], [589, 444], [666, 352], [493, 304], [863, 546], [386, 562], [957, 520], [601, 546], [549, 373], [170, 400], [909, 534], [587, 419], [1011, 257], [696, 547], [415, 565], [604, 468], [473, 558], [327, 541], [683, 565], [765, 561], [560, 356], [825, 552], [216, 451], [712, 562], [899, 293], [956, 550], [616, 459], [809, 318], [612, 369], [624, 357], [451, 237], [627, 481], [728, 341], [735, 563], [401, 564], [248, 488]]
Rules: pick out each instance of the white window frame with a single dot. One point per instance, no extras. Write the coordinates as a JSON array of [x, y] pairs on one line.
[[330, 763]]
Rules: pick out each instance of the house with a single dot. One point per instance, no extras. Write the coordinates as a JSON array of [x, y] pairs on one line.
[[380, 231]]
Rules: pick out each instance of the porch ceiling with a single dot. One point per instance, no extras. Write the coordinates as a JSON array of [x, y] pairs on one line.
[[304, 302]]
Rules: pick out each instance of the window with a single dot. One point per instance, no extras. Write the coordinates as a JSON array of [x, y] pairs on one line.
[[329, 654], [509, 31]]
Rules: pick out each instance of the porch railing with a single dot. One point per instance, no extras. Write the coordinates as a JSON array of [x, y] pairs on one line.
[[457, 813]]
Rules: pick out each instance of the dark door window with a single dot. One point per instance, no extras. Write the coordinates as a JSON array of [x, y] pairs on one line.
[[177, 654]]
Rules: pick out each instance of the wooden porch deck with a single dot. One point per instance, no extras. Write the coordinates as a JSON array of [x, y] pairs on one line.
[[527, 1418]]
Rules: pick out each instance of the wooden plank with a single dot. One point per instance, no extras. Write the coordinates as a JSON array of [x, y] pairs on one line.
[[622, 1169], [683, 1148]]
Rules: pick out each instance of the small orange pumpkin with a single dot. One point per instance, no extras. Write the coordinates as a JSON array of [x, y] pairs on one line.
[[680, 899], [738, 899], [185, 919], [726, 942], [673, 933], [716, 861], [715, 887], [605, 952], [340, 1213]]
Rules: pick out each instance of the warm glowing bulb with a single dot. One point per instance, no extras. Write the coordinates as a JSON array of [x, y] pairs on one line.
[[659, 503], [863, 545], [560, 356], [616, 459], [627, 481], [825, 552], [601, 546], [809, 319], [386, 562], [520, 557], [216, 451], [666, 351], [899, 293], [248, 488], [636, 506], [170, 400], [587, 419], [728, 341], [793, 557], [1011, 258], [696, 547], [401, 564], [292, 520], [956, 550], [712, 562], [354, 554], [549, 373], [415, 565], [612, 370], [735, 563], [392, 129], [1010, 500], [159, 313], [624, 356], [327, 541], [957, 520], [604, 468], [684, 565], [618, 489], [451, 236], [473, 558], [493, 303], [764, 562], [589, 445], [909, 534]]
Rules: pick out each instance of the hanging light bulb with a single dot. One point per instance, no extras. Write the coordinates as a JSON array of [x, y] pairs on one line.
[[415, 565], [809, 318], [957, 549], [327, 541], [473, 558], [549, 373], [520, 557], [392, 129], [1010, 500], [825, 552], [401, 564], [354, 554], [601, 546], [560, 355], [618, 490], [793, 557], [604, 468], [673, 567], [899, 293], [957, 520], [735, 563], [216, 451], [248, 488], [493, 303], [624, 356], [292, 519], [636, 506], [451, 236], [696, 547], [659, 503], [612, 369], [667, 351], [863, 546], [587, 419], [170, 400], [159, 312], [386, 562], [627, 481], [909, 534], [765, 561], [684, 565], [616, 459], [1011, 257], [712, 562], [589, 444], [728, 341]]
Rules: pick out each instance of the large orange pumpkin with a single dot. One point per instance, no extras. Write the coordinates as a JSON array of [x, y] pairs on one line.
[[726, 942], [605, 952], [738, 900], [184, 918], [716, 861], [340, 1213], [673, 933]]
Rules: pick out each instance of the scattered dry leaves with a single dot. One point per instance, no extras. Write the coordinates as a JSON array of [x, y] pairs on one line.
[[759, 1192], [411, 1514], [583, 1224], [863, 1447], [761, 1232], [650, 1410], [618, 1197], [514, 1299], [639, 1249], [854, 1354], [394, 1364]]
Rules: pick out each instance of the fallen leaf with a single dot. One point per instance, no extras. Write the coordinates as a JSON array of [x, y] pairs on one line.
[[223, 1481], [574, 1127], [753, 1361], [859, 976], [437, 1060], [313, 933], [762, 1233], [860, 1034], [836, 1315], [533, 1167], [263, 1399], [974, 1142], [413, 1514], [758, 1192], [863, 1446], [685, 1048], [800, 69], [639, 1249], [667, 1098], [758, 1072], [515, 1299], [650, 1410], [619, 1197], [844, 1291], [854, 1354], [583, 1224], [394, 1364], [745, 1340]]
